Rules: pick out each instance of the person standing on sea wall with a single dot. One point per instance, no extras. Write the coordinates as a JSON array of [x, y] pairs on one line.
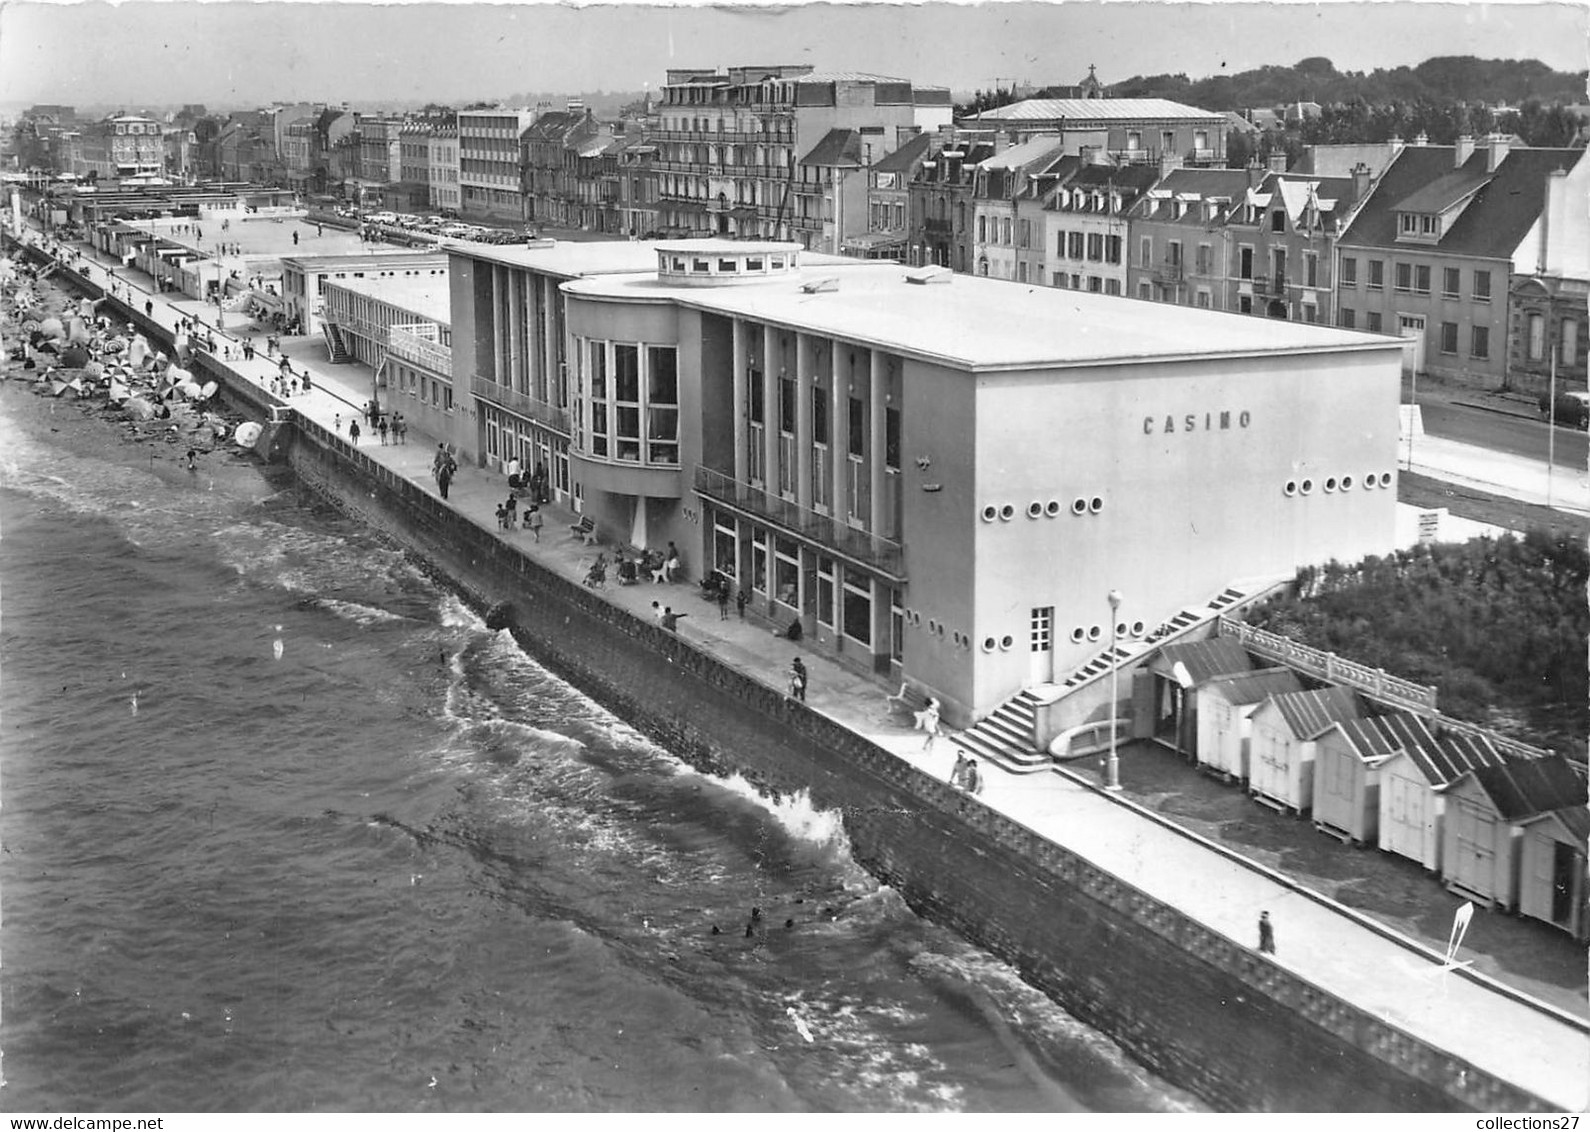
[[1266, 934]]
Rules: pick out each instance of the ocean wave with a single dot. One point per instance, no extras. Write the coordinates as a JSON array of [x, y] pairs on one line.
[[357, 612]]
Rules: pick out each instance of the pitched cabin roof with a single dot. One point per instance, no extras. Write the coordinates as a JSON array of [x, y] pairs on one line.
[[1522, 787], [1309, 713], [1370, 736], [1437, 760], [1254, 687], [1197, 662]]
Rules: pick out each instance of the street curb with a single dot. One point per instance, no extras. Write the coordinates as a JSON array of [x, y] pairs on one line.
[[1497, 410]]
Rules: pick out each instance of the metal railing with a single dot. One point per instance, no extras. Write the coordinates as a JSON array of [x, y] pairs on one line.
[[533, 407], [825, 531], [420, 342]]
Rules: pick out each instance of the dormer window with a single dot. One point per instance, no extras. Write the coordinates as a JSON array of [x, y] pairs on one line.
[[1422, 226], [1278, 221]]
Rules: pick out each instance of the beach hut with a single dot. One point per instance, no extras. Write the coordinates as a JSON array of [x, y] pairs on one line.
[[1412, 781], [1347, 759], [1486, 809], [1552, 868], [1178, 669], [1224, 708], [1281, 747]]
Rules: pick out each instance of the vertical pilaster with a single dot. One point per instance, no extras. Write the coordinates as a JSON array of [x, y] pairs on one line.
[[875, 442], [803, 421], [770, 410], [838, 406], [740, 370]]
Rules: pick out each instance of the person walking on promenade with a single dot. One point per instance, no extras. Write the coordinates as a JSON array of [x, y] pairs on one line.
[[534, 520], [149, 308], [958, 775], [670, 619], [444, 478], [972, 778], [723, 602], [797, 680], [928, 720], [739, 603], [336, 424], [400, 429], [381, 427], [353, 433], [511, 506], [1266, 934]]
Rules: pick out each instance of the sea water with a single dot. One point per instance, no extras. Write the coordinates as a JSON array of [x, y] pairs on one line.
[[286, 828]]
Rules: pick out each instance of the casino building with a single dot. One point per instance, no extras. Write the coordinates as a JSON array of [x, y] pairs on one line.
[[943, 476]]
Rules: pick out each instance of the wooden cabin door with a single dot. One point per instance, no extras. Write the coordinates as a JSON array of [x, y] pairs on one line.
[[1470, 865], [1406, 801]]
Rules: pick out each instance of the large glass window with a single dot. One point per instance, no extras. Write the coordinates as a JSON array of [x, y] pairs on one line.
[[787, 572], [858, 610], [825, 591], [759, 562], [662, 405], [726, 545]]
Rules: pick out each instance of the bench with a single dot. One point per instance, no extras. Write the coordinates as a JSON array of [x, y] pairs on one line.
[[585, 530]]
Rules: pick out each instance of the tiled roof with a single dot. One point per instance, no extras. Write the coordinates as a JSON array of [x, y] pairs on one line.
[[1521, 788], [837, 147], [1575, 819], [1255, 687], [1094, 109], [1036, 151], [1309, 713], [1496, 220], [902, 159], [1444, 192], [1202, 661]]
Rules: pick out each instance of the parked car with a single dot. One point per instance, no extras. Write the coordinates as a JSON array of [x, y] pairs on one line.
[[456, 231], [1573, 409], [383, 218]]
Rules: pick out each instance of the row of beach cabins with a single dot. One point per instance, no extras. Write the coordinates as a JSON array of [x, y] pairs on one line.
[[1502, 824]]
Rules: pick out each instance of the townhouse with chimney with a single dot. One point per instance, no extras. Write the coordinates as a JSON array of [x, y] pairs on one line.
[[120, 146], [1433, 254], [414, 162], [548, 176], [1282, 241], [999, 235], [1548, 327], [940, 213], [1085, 227], [1177, 236], [637, 185], [731, 145], [889, 203]]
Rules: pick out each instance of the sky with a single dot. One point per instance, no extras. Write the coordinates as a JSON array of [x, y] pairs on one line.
[[230, 53]]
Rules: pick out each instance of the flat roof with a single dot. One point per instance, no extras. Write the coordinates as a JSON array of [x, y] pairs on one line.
[[581, 259], [973, 322], [375, 257], [426, 295]]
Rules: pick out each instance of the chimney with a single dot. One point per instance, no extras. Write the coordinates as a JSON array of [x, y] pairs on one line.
[[1278, 161], [1169, 161], [1496, 147], [1001, 142], [1395, 142], [1463, 151], [1551, 216], [1421, 139], [1256, 173], [1360, 182]]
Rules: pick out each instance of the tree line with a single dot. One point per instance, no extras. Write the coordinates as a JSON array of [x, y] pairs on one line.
[[1497, 626]]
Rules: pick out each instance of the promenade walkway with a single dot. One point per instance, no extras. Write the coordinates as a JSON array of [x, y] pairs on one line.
[[1542, 1050]]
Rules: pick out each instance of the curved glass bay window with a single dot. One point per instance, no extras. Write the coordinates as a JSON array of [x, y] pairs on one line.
[[627, 402]]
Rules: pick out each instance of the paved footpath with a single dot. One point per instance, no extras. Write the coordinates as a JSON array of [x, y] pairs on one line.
[[1388, 975]]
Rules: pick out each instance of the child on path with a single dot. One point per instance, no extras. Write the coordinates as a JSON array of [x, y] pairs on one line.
[[534, 519]]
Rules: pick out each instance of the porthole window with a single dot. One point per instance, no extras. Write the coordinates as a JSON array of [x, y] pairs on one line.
[[1330, 483], [916, 617], [1347, 483], [1138, 628], [1005, 642], [1307, 487], [1078, 635], [1094, 632], [1052, 508], [989, 644], [1079, 506], [990, 513], [1371, 480], [1096, 504], [1291, 487], [1007, 512], [1034, 510], [1121, 628], [1385, 479], [933, 625]]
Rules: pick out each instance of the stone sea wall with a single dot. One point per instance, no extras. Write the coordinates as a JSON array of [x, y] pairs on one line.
[[1206, 1013]]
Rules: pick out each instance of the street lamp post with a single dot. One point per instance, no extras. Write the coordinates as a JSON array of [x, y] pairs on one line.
[[1112, 768]]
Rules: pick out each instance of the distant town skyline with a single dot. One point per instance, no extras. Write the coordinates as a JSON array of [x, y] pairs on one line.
[[145, 52]]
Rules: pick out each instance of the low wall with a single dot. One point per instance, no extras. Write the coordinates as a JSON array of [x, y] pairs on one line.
[[1203, 1011]]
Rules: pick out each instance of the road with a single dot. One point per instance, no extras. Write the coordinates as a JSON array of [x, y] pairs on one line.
[[1502, 432]]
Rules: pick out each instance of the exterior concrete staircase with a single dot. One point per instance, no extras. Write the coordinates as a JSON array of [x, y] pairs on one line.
[[1004, 737], [336, 347]]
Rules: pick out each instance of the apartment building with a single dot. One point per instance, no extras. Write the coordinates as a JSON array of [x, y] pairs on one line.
[[122, 145], [441, 151], [940, 194], [731, 144], [1085, 228], [489, 180], [1433, 254], [1002, 240], [1132, 131], [1177, 236]]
